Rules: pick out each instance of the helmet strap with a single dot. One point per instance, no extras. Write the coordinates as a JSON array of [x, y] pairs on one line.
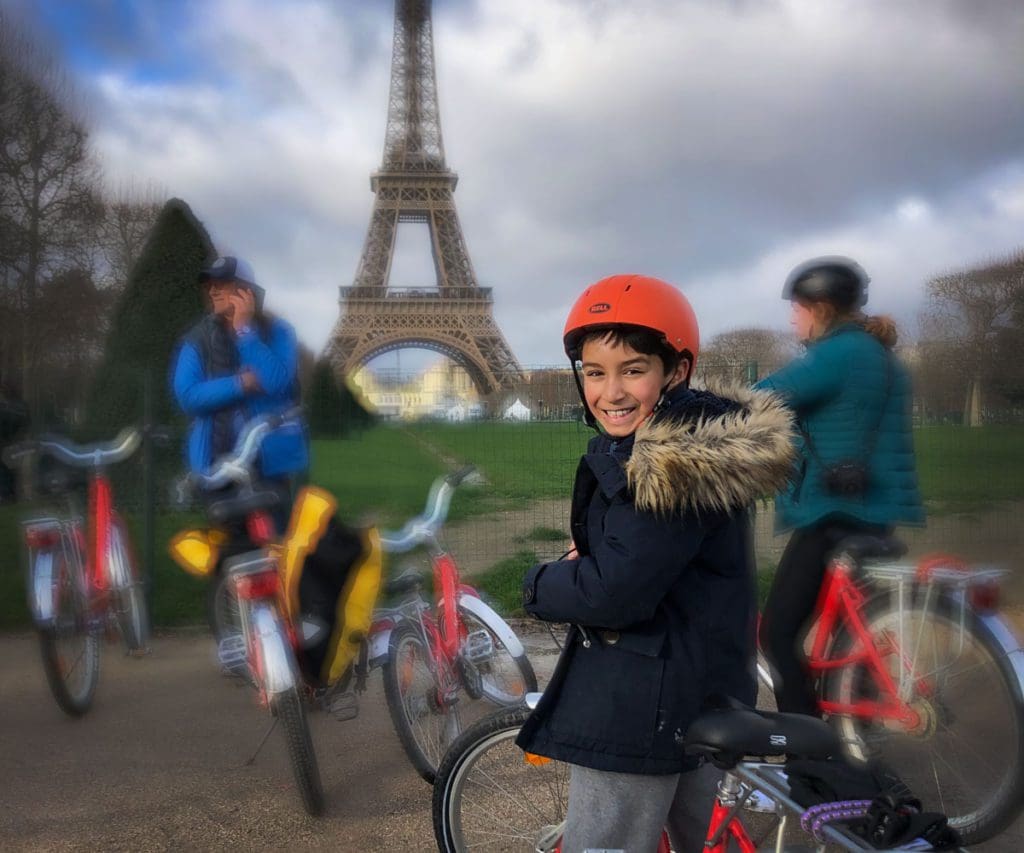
[[588, 416]]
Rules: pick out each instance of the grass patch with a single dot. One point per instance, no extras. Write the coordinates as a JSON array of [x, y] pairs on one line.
[[502, 583], [545, 534], [522, 462], [963, 469]]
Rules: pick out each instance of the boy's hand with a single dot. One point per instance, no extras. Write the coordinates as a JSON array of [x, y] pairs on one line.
[[243, 301], [572, 553]]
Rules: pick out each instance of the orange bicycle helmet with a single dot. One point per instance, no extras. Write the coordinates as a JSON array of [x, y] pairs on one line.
[[634, 300]]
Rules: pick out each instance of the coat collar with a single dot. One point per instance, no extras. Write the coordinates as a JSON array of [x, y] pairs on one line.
[[714, 450]]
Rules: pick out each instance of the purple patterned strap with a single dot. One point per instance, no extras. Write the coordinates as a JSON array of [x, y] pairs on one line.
[[817, 816]]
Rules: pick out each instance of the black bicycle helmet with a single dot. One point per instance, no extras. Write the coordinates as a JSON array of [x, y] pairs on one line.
[[832, 278]]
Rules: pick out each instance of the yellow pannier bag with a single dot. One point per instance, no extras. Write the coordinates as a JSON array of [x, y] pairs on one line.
[[197, 551], [331, 576]]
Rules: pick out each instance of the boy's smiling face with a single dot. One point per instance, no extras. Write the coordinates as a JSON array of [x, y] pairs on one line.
[[622, 386]]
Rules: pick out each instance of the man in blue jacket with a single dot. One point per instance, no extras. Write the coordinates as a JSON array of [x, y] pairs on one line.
[[233, 365]]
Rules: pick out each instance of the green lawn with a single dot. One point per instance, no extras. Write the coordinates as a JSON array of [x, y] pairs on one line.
[[385, 472], [963, 469]]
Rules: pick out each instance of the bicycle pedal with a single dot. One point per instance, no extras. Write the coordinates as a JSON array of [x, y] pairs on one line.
[[232, 653], [478, 647], [344, 706]]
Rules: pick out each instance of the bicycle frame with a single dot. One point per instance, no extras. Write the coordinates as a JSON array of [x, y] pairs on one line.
[[841, 603], [736, 787]]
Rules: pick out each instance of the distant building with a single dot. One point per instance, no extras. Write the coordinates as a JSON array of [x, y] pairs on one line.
[[444, 391]]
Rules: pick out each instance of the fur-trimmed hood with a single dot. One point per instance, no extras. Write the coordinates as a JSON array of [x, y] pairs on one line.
[[712, 449]]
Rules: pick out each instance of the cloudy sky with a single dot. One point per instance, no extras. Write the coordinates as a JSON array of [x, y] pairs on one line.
[[713, 143]]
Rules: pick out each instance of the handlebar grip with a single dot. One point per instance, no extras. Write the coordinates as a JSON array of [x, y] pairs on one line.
[[458, 477], [16, 452]]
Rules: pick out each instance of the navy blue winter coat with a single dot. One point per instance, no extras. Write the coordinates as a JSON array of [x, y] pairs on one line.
[[662, 595]]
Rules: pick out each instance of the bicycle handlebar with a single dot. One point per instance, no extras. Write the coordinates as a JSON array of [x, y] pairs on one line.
[[64, 450], [424, 527], [236, 466]]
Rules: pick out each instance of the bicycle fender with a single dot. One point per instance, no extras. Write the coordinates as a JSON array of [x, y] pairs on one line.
[[42, 589], [380, 642], [278, 672], [1010, 646], [492, 620]]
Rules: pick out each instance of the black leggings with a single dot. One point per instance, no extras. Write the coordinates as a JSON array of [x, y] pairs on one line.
[[790, 607]]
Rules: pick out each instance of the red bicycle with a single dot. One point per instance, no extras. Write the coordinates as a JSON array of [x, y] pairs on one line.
[[915, 665], [81, 576], [439, 659]]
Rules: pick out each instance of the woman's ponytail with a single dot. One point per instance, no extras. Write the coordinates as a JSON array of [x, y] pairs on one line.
[[883, 328]]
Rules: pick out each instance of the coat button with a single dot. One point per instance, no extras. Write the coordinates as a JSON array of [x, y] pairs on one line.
[[528, 594], [610, 637]]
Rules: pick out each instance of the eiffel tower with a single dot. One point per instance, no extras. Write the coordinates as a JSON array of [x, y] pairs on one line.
[[414, 184]]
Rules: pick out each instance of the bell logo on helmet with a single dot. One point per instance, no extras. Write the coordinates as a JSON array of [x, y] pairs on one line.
[[599, 308]]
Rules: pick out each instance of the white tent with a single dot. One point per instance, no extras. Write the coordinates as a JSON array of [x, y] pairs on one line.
[[517, 412], [456, 413]]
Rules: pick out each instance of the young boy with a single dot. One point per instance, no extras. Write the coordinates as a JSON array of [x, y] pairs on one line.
[[660, 583]]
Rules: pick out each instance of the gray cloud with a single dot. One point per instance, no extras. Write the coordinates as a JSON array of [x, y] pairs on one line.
[[712, 144]]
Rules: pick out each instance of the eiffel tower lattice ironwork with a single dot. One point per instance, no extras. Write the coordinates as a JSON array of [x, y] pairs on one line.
[[414, 184]]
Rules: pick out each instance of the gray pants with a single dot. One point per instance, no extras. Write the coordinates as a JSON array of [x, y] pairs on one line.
[[627, 811]]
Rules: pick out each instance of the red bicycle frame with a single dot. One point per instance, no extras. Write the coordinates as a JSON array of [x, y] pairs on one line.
[[841, 603], [99, 513], [732, 829]]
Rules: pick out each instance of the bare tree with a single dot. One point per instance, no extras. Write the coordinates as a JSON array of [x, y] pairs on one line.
[[742, 355], [49, 206], [968, 311], [129, 215]]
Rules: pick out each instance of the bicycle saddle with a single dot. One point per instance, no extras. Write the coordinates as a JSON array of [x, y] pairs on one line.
[[727, 734], [407, 581], [863, 546], [226, 509]]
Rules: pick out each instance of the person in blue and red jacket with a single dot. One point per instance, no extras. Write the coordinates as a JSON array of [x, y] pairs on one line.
[[235, 364]]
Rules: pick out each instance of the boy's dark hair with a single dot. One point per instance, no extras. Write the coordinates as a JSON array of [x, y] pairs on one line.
[[638, 338]]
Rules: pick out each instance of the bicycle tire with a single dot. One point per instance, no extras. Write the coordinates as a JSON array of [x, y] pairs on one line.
[[128, 590], [966, 758], [505, 679], [487, 797], [222, 613], [74, 685], [287, 707], [411, 691]]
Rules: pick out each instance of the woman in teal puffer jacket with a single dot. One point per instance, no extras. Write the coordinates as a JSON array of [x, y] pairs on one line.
[[852, 399]]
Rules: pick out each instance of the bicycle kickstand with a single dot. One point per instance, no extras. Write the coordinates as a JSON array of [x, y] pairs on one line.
[[252, 759]]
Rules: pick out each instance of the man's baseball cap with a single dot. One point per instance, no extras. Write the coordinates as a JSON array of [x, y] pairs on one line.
[[229, 269]]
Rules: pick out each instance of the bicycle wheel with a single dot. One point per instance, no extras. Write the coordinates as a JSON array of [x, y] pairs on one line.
[[287, 707], [487, 796], [965, 757], [425, 722], [69, 647], [128, 594], [222, 612], [488, 669]]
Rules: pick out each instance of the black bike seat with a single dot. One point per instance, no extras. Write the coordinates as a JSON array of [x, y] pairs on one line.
[[726, 735], [227, 509], [407, 581], [864, 546]]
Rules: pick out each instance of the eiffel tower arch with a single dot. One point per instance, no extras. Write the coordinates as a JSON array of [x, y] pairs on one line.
[[414, 184]]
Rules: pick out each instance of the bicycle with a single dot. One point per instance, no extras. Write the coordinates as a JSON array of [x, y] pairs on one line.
[[490, 796], [430, 655], [915, 662], [898, 646], [81, 576]]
